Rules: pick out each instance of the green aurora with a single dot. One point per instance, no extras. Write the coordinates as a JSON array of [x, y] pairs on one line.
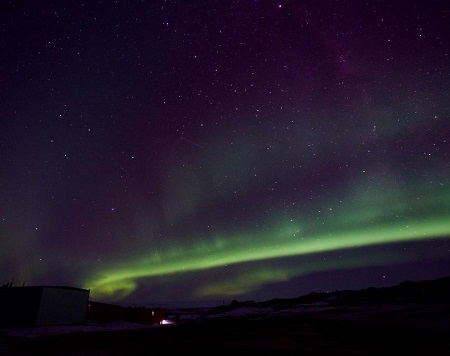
[[282, 240], [182, 150]]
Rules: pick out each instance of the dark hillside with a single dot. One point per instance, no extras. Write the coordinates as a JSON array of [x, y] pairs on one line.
[[411, 318]]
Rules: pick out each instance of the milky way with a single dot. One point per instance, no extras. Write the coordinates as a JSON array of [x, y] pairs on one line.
[[168, 151]]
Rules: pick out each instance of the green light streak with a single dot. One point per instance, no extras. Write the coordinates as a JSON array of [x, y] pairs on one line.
[[278, 242], [245, 282]]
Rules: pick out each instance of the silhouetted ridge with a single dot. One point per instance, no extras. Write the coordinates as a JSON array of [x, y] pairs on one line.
[[420, 292]]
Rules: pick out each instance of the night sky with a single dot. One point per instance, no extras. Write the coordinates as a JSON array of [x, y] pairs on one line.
[[164, 151]]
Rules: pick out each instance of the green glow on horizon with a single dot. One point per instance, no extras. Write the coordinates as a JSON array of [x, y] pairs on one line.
[[278, 242], [245, 282], [374, 208]]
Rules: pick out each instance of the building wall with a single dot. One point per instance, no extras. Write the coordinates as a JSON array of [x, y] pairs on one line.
[[36, 306], [62, 306], [109, 312], [104, 312]]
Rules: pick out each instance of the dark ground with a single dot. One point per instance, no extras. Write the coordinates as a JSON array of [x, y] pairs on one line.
[[410, 319], [322, 333]]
